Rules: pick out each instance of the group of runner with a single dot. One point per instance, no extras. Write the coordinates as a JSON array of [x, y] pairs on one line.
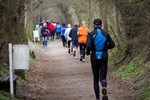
[[76, 37], [48, 30], [72, 36]]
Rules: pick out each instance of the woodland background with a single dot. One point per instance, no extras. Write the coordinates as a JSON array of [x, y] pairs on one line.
[[126, 20]]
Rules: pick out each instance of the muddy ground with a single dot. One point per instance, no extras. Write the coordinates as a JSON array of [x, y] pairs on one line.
[[56, 75]]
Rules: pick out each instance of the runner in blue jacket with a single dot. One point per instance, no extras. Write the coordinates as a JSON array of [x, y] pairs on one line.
[[58, 31], [98, 43], [63, 29]]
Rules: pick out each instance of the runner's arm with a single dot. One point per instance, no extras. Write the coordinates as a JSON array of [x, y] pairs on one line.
[[88, 43], [111, 43]]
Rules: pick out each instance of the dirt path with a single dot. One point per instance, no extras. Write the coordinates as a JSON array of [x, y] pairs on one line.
[[56, 75]]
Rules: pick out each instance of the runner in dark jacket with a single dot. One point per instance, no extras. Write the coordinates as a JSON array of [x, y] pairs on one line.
[[98, 42], [74, 36], [44, 34]]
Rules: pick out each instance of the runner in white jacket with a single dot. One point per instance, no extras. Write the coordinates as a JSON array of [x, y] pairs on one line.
[[68, 38]]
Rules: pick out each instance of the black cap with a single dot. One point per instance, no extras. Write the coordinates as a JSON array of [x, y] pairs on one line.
[[97, 21]]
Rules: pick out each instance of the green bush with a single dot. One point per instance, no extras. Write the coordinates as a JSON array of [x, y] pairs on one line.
[[145, 93], [132, 70], [6, 96]]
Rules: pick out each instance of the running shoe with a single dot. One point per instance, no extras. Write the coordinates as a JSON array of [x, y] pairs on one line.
[[104, 91], [83, 60], [68, 50], [75, 57], [105, 97]]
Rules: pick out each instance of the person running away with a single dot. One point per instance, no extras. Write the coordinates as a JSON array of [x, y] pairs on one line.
[[63, 29], [74, 36], [82, 37], [68, 38], [98, 43]]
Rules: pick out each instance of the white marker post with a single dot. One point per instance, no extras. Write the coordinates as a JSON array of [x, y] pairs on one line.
[[11, 70]]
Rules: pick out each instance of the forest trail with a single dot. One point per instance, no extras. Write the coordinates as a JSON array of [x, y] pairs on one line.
[[56, 75]]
